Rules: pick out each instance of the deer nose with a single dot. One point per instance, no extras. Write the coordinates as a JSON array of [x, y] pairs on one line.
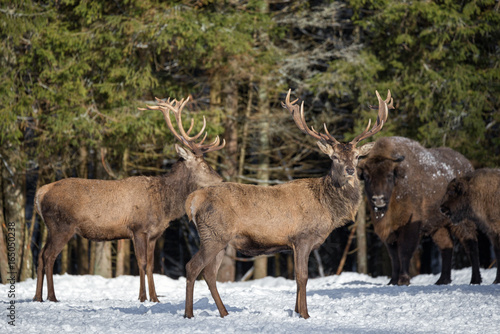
[[350, 170]]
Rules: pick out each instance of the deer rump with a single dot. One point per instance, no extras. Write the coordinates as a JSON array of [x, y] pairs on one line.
[[404, 184]]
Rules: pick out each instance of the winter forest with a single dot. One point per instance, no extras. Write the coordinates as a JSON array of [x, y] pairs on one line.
[[74, 75]]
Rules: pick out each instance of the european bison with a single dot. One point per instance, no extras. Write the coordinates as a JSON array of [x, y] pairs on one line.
[[476, 197], [404, 183]]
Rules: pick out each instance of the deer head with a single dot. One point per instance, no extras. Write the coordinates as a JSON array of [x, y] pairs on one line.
[[344, 155], [204, 175]]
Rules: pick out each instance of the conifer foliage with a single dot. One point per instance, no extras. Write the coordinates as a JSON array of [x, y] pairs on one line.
[[73, 72]]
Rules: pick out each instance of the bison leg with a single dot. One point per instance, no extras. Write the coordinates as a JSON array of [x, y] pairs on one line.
[[149, 270], [496, 246], [472, 248], [210, 275], [466, 232], [393, 254], [442, 239], [408, 240]]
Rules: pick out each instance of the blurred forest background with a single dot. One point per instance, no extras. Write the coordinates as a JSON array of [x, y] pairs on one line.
[[73, 74]]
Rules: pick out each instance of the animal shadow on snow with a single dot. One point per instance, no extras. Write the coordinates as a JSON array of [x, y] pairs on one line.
[[174, 309], [394, 291], [161, 308]]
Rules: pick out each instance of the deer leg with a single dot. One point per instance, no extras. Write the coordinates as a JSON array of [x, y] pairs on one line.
[[210, 275], [140, 246], [40, 272], [301, 259], [53, 247], [442, 239], [149, 270], [392, 248], [408, 241], [198, 262]]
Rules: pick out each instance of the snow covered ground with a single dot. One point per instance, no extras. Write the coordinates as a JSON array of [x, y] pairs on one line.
[[349, 303]]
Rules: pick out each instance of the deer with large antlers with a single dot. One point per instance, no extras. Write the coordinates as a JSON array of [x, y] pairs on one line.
[[297, 215], [138, 208]]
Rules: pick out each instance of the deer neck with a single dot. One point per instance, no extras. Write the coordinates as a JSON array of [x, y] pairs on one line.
[[341, 198], [174, 188]]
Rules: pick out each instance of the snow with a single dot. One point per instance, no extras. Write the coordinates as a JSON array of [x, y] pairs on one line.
[[349, 303]]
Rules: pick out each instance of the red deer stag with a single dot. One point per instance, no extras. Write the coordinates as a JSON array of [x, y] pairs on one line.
[[476, 197], [138, 208], [404, 183], [296, 215]]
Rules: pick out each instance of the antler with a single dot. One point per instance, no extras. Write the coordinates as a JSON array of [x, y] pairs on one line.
[[387, 100], [298, 117], [383, 110], [176, 107]]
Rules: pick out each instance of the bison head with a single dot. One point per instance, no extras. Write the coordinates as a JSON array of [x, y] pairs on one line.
[[380, 175], [454, 204]]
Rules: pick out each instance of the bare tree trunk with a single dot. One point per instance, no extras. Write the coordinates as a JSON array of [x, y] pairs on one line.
[[64, 259], [123, 257], [123, 245], [102, 254], [361, 254], [92, 245], [227, 271], [27, 270], [4, 263], [289, 266], [82, 257], [260, 262], [244, 134], [103, 259], [346, 251], [14, 206]]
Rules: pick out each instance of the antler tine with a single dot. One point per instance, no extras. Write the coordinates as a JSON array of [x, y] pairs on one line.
[[189, 141], [300, 121], [164, 107], [213, 146], [178, 118], [383, 111], [388, 100]]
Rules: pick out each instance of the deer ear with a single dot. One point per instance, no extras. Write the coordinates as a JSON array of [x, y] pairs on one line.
[[325, 148], [184, 153], [365, 149]]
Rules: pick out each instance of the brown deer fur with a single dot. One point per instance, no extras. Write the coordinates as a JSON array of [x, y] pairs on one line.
[[404, 183], [476, 197], [138, 208], [296, 215]]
